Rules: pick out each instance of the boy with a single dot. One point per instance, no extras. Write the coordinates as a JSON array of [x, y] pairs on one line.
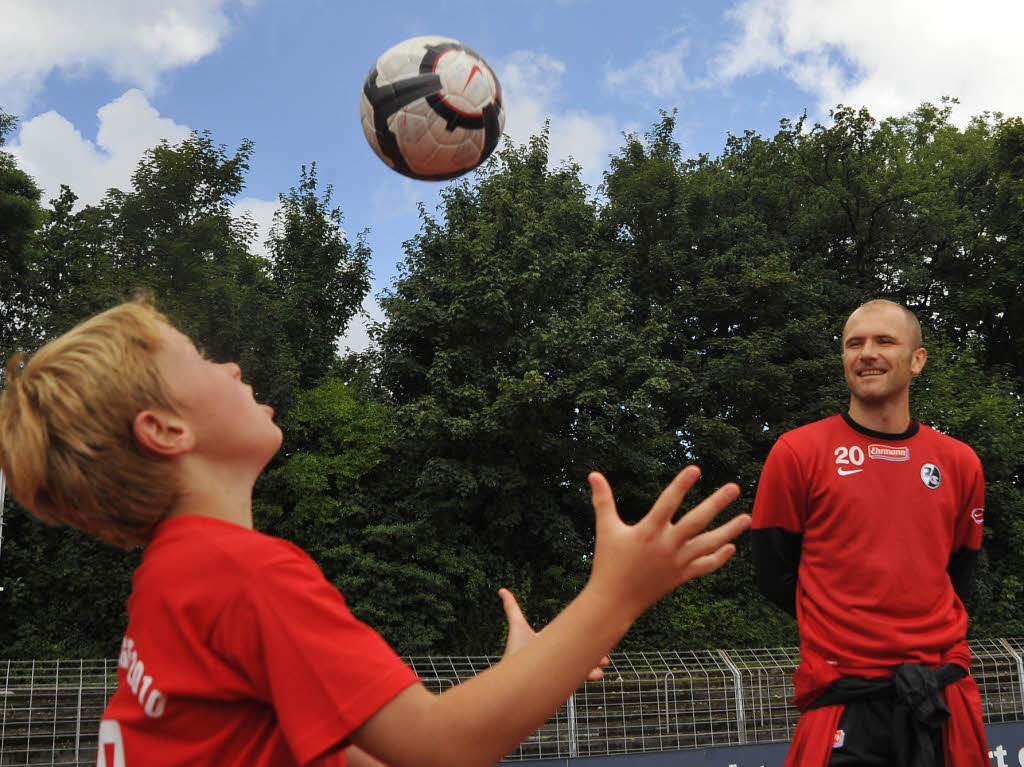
[[238, 650]]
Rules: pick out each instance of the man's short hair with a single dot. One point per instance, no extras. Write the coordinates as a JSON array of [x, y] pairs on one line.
[[67, 441], [917, 340]]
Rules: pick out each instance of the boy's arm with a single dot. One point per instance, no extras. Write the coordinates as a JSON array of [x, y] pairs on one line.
[[481, 720], [356, 757], [521, 633]]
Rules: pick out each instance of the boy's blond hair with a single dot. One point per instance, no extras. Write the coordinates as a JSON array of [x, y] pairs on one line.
[[67, 441]]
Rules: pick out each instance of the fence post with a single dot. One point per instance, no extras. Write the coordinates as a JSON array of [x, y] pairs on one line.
[[5, 693], [78, 710], [1020, 667], [570, 714], [741, 717], [670, 709], [56, 699]]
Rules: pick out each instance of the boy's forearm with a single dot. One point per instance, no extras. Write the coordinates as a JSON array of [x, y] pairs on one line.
[[356, 757], [480, 721], [517, 695]]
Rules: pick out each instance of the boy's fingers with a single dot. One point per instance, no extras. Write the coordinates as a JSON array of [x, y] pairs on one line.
[[597, 672], [709, 562], [697, 518], [665, 507], [714, 539], [602, 499], [512, 611]]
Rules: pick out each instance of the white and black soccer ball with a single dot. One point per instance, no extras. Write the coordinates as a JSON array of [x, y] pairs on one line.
[[431, 108]]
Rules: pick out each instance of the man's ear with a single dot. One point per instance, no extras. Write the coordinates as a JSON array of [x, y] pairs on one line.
[[918, 359], [163, 433]]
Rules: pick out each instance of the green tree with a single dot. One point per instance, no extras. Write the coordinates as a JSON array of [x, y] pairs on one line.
[[769, 246], [319, 279], [20, 217], [689, 312], [327, 495], [514, 372], [172, 233]]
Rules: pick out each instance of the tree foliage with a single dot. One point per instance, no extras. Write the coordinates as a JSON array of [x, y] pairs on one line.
[[20, 218], [173, 234], [689, 311]]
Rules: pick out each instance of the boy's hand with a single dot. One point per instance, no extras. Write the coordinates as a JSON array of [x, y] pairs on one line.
[[520, 633], [636, 565]]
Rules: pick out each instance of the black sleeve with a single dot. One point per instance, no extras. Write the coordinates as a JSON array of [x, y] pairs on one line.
[[776, 561], [962, 563]]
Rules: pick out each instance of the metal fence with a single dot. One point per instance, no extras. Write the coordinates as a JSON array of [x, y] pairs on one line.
[[50, 710]]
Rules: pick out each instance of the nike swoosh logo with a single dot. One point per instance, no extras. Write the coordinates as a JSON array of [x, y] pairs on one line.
[[844, 472], [473, 71]]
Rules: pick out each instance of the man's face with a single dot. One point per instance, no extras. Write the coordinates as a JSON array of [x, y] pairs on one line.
[[229, 425], [881, 353]]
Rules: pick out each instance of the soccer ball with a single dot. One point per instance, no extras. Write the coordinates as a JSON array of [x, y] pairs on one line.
[[431, 108]]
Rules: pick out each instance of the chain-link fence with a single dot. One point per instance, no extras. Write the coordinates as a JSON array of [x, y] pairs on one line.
[[50, 710]]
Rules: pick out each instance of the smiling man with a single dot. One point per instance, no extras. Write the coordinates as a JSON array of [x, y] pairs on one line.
[[867, 527]]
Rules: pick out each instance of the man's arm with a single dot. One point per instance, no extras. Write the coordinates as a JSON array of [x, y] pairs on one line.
[[961, 567], [776, 562], [967, 539], [481, 720], [777, 537]]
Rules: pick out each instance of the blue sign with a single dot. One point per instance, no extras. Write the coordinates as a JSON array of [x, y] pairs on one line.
[[1005, 742]]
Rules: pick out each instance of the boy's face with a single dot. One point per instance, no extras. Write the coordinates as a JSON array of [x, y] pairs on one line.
[[229, 425]]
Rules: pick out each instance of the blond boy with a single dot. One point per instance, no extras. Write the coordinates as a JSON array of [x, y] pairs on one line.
[[237, 650]]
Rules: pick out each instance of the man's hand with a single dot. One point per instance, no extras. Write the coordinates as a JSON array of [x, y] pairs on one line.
[[636, 565], [520, 633]]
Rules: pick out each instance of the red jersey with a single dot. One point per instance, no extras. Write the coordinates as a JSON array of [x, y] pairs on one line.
[[239, 652], [878, 519]]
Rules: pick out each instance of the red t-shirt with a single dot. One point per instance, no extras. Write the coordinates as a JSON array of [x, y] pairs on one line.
[[880, 518], [239, 652]]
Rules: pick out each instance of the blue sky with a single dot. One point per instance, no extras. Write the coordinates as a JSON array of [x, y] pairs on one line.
[[94, 84]]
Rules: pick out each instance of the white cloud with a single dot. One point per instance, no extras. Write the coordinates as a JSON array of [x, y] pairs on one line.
[[661, 73], [887, 55], [54, 152], [589, 139], [396, 196], [261, 213], [131, 41], [533, 84], [357, 336]]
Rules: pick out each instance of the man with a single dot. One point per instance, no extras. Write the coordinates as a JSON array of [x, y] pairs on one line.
[[867, 527]]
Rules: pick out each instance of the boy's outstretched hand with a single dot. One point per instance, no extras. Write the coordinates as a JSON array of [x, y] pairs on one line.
[[636, 565]]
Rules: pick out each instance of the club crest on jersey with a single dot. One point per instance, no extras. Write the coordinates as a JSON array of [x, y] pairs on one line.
[[889, 452], [978, 515], [931, 476], [839, 739]]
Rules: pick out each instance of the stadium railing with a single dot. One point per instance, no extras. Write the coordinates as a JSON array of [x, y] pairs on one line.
[[648, 701]]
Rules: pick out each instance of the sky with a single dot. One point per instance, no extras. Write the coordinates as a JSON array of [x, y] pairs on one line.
[[94, 83]]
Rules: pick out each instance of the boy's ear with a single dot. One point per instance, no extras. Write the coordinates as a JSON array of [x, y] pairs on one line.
[[163, 433]]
